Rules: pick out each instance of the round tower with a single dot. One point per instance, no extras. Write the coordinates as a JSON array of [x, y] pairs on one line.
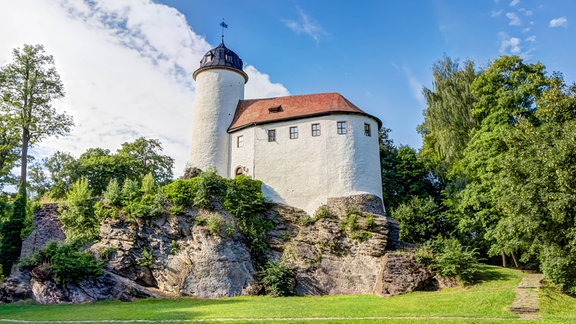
[[219, 87]]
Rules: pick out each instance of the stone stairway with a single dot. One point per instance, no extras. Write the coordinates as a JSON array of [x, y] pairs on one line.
[[526, 302]]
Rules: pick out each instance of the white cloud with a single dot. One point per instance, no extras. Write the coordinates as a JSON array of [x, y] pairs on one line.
[[514, 19], [558, 22], [531, 38], [126, 67], [496, 13], [510, 45], [415, 86], [514, 3], [260, 86], [306, 25]]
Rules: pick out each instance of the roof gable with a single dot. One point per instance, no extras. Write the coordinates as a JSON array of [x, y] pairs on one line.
[[261, 111]]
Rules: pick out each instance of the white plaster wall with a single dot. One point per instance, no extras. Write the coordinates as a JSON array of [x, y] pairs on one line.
[[217, 94], [305, 172]]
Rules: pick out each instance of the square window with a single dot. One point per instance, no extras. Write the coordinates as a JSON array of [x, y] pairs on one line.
[[240, 141], [315, 129], [294, 132], [271, 135], [367, 131], [341, 125]]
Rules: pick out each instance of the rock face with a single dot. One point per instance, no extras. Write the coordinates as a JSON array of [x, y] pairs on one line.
[[185, 259], [343, 250], [46, 228]]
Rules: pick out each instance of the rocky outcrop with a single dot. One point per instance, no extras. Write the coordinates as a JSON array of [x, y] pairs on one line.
[[177, 257], [344, 251], [47, 228]]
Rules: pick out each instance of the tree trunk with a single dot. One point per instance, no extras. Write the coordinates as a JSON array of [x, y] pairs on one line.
[[503, 259], [24, 161], [515, 260]]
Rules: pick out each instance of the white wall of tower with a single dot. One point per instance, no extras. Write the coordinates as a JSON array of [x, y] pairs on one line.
[[218, 91]]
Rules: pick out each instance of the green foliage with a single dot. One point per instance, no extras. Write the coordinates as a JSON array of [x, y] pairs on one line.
[[421, 219], [449, 258], [322, 212], [278, 279], [243, 199], [215, 223], [558, 263], [9, 149], [11, 230], [113, 194], [174, 247], [357, 225], [448, 119], [65, 264], [77, 215], [146, 259], [404, 173], [146, 154], [105, 253], [28, 86]]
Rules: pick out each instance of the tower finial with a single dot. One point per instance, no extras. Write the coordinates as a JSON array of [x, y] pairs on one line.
[[224, 25]]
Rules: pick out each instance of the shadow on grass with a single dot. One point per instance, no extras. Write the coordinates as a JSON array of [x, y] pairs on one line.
[[487, 273]]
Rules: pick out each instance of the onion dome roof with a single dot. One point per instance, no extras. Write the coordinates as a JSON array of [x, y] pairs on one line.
[[221, 57]]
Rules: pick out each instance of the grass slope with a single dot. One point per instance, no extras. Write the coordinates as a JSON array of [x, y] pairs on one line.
[[484, 302]]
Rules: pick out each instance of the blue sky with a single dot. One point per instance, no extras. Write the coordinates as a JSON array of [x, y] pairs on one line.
[[126, 65]]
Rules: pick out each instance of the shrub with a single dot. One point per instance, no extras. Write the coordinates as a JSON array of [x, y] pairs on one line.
[[322, 212], [353, 227], [558, 265], [11, 230], [113, 194], [146, 258], [421, 220], [180, 194], [214, 223], [66, 264], [77, 214], [449, 258], [245, 201], [278, 279]]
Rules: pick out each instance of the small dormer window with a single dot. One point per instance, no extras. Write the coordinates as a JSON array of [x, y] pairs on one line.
[[229, 58], [207, 58], [273, 110]]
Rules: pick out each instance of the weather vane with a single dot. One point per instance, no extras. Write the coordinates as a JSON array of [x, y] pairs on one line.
[[224, 25]]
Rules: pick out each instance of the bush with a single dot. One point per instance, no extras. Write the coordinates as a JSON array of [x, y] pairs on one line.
[[278, 279], [449, 258], [11, 230], [214, 223], [65, 264], [357, 225], [77, 214], [146, 259], [421, 220], [559, 267], [322, 212]]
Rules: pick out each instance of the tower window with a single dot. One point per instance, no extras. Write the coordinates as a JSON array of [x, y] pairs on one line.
[[294, 132], [271, 135], [341, 125], [315, 129], [367, 130], [240, 141]]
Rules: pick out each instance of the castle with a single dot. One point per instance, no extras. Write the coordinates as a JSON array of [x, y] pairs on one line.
[[306, 149]]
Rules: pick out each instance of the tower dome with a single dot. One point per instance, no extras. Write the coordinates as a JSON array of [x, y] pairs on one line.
[[221, 57]]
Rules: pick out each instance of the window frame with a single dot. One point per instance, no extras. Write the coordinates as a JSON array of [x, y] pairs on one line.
[[316, 131], [271, 135], [367, 130], [240, 141], [342, 130], [293, 132]]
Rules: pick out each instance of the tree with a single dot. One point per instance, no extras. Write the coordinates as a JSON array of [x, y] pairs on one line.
[[9, 149], [10, 231], [448, 118], [146, 152], [28, 86], [404, 174]]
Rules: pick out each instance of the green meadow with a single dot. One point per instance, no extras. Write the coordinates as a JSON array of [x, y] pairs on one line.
[[486, 301]]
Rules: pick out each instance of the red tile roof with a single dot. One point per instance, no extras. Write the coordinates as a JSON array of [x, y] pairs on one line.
[[261, 111]]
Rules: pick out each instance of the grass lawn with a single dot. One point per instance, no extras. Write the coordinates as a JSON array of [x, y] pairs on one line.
[[485, 302]]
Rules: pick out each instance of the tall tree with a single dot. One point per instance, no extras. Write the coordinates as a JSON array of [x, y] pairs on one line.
[[147, 154], [28, 86], [448, 119], [9, 149]]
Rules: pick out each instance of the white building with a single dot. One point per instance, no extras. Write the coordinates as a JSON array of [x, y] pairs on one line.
[[306, 149]]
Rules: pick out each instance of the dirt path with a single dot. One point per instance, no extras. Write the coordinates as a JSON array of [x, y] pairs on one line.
[[526, 302]]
